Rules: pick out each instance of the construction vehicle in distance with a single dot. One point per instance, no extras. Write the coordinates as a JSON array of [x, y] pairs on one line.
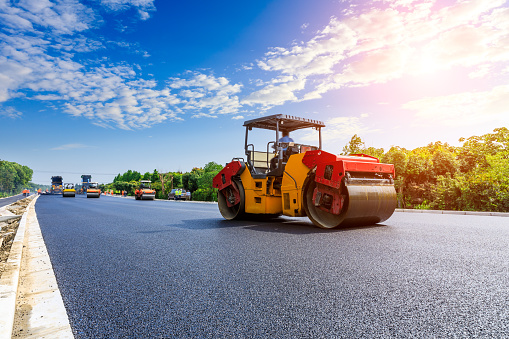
[[69, 190], [85, 182], [56, 184], [144, 191], [303, 180], [93, 190]]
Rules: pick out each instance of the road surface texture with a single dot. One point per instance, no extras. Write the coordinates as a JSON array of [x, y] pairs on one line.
[[10, 200], [130, 268]]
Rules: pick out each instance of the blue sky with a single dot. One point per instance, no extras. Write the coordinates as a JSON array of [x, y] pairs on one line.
[[102, 86]]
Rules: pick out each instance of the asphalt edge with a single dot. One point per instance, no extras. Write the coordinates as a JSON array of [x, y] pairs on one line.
[[10, 277], [12, 196], [404, 210], [489, 214], [38, 289]]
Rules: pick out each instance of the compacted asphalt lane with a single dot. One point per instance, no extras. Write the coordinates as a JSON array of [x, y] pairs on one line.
[[130, 268], [10, 200]]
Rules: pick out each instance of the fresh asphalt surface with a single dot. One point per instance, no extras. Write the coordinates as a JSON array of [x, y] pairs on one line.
[[10, 200], [130, 268]]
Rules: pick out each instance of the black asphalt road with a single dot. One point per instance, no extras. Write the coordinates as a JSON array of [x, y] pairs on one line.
[[142, 269], [10, 200]]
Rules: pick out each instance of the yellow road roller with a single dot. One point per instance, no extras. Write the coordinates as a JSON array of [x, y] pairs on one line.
[[297, 180], [69, 190]]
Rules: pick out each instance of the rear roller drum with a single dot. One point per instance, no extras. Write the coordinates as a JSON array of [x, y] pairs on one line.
[[364, 205], [319, 217], [229, 194]]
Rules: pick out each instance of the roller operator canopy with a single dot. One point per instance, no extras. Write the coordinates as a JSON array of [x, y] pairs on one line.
[[283, 122]]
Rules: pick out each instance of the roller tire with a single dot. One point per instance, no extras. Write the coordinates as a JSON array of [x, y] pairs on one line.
[[363, 206], [234, 212], [320, 218]]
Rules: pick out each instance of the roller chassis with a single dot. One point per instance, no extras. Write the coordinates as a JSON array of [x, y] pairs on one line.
[[144, 191], [93, 190], [331, 190], [68, 190]]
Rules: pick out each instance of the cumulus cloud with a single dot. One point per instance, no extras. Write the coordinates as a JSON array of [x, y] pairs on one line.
[[206, 95], [339, 129], [274, 95], [468, 108], [43, 44], [10, 112], [68, 147], [142, 6], [40, 67], [409, 37]]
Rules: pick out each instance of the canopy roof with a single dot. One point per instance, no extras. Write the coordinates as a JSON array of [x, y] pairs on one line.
[[286, 123]]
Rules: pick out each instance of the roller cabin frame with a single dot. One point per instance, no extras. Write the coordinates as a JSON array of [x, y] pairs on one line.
[[93, 190], [69, 190], [144, 191], [303, 180]]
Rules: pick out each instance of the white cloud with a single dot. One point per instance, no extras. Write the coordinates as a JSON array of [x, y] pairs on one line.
[[480, 72], [143, 6], [338, 129], [68, 147], [206, 95], [238, 117], [468, 108], [376, 46], [273, 95], [203, 115], [10, 112], [42, 45]]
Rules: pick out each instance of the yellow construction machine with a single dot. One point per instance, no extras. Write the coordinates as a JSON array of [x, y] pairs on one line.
[[303, 180], [69, 190]]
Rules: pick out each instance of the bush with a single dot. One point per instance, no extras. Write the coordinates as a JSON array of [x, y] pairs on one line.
[[205, 194]]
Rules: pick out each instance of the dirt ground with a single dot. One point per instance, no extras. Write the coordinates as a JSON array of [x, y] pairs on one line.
[[9, 228]]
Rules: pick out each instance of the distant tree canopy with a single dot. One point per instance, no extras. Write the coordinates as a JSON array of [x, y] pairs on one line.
[[474, 176], [14, 177], [198, 182]]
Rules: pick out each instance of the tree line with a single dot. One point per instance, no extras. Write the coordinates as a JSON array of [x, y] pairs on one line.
[[472, 177], [198, 181], [14, 178]]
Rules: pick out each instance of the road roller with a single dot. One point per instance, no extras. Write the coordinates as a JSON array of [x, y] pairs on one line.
[[298, 180], [69, 190], [93, 190], [144, 192]]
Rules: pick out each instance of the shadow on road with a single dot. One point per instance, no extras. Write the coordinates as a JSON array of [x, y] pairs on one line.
[[303, 227], [261, 224]]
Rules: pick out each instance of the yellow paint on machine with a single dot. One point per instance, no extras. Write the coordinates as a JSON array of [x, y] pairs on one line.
[[281, 197], [293, 181], [257, 199]]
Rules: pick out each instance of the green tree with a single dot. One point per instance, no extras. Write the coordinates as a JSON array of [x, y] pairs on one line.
[[14, 177], [444, 162], [155, 176], [356, 145]]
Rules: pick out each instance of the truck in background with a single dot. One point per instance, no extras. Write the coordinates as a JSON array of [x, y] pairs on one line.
[[56, 184]]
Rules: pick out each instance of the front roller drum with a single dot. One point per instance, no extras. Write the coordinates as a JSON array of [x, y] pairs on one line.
[[149, 196], [363, 205], [231, 200]]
